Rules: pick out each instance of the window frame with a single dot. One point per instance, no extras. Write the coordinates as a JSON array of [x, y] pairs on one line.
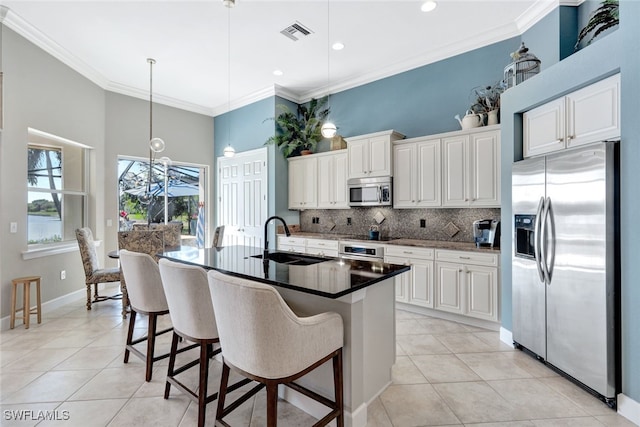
[[44, 140]]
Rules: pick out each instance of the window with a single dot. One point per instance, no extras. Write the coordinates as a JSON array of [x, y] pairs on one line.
[[57, 199]]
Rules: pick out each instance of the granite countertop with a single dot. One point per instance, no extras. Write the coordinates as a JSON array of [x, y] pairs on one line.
[[435, 244], [330, 277]]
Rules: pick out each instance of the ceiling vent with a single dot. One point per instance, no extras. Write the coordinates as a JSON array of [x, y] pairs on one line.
[[296, 31]]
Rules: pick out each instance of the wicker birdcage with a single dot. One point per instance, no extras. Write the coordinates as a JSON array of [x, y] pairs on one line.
[[524, 66]]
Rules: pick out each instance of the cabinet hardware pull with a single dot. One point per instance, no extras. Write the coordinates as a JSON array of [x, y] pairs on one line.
[[407, 252], [560, 139], [465, 257]]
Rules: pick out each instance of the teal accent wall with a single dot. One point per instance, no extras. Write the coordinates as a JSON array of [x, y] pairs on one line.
[[616, 52], [424, 100], [568, 30]]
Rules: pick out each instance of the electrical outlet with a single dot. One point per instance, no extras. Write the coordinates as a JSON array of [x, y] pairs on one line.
[[317, 220], [63, 274], [13, 227], [109, 223], [348, 220], [423, 223]]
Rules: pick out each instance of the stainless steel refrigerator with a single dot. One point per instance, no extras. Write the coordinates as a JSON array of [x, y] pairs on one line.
[[565, 274]]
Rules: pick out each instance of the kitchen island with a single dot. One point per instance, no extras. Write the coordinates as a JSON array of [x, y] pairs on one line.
[[362, 292]]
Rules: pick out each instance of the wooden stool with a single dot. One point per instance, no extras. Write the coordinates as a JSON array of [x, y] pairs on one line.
[[26, 309]]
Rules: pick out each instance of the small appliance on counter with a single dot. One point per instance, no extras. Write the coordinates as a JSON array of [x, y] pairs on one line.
[[486, 233]]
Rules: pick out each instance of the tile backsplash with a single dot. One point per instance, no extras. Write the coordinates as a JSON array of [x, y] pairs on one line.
[[440, 224]]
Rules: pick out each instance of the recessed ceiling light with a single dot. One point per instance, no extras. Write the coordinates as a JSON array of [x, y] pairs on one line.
[[338, 46], [277, 72], [428, 6]]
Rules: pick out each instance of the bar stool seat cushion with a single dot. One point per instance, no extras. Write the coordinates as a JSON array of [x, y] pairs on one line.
[[272, 342]]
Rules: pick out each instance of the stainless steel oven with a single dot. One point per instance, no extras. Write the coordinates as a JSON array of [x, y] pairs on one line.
[[361, 251], [370, 191]]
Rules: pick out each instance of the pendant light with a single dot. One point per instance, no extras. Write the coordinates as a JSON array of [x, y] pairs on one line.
[[229, 151], [328, 129], [156, 145]]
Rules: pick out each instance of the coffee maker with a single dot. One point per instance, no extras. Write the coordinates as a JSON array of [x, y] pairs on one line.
[[486, 233]]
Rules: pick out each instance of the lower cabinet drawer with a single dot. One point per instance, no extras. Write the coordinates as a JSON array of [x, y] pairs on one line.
[[478, 258]]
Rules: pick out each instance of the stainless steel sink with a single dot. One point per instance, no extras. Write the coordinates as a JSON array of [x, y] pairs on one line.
[[292, 258]]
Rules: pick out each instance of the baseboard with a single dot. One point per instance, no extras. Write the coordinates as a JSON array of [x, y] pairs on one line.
[[629, 408], [506, 336], [471, 321], [54, 304]]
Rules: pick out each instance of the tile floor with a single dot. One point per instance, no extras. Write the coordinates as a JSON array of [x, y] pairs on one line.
[[446, 374]]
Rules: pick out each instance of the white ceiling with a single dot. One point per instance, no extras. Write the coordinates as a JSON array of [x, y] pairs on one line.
[[109, 41]]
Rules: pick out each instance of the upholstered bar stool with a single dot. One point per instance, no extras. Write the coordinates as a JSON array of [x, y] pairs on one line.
[[264, 340], [193, 319], [146, 296], [26, 309]]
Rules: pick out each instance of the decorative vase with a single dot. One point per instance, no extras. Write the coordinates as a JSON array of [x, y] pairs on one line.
[[493, 118], [305, 152]]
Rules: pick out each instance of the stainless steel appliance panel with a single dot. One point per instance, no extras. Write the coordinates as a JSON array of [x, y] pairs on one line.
[[579, 248], [528, 290]]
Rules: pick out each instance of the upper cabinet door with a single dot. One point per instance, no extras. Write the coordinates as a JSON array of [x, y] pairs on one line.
[[404, 181], [484, 153], [544, 129], [379, 156], [340, 199], [593, 113], [456, 171], [358, 158], [428, 174]]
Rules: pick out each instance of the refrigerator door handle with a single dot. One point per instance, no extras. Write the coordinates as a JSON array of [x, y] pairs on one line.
[[537, 239], [544, 239], [552, 235]]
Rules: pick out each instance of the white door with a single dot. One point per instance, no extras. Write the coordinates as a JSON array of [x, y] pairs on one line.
[[242, 197]]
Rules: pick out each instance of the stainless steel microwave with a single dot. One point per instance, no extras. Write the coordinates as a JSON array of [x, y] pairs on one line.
[[370, 191]]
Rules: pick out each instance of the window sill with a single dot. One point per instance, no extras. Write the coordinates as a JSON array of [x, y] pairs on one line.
[[53, 249]]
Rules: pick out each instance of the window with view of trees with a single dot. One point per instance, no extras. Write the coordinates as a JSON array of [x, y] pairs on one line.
[[56, 200]]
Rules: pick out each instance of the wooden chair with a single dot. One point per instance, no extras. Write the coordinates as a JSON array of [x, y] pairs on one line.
[[264, 340], [92, 271]]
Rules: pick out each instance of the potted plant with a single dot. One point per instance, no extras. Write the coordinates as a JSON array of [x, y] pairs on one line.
[[486, 100], [604, 17], [299, 132]]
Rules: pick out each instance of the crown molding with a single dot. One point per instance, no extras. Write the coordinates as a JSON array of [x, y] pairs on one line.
[[157, 98], [525, 21], [35, 36]]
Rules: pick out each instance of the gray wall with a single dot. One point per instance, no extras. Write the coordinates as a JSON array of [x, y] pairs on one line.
[[187, 136], [42, 93]]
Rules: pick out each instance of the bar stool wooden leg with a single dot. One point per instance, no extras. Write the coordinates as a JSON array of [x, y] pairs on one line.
[[26, 308], [13, 305], [39, 301]]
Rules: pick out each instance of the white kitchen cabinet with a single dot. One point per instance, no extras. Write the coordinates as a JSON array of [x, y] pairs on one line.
[[303, 182], [332, 180], [417, 178], [370, 155], [416, 286], [588, 115], [322, 247], [471, 169], [467, 283], [292, 244]]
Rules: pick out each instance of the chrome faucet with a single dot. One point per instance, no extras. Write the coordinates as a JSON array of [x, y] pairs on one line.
[[266, 242]]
